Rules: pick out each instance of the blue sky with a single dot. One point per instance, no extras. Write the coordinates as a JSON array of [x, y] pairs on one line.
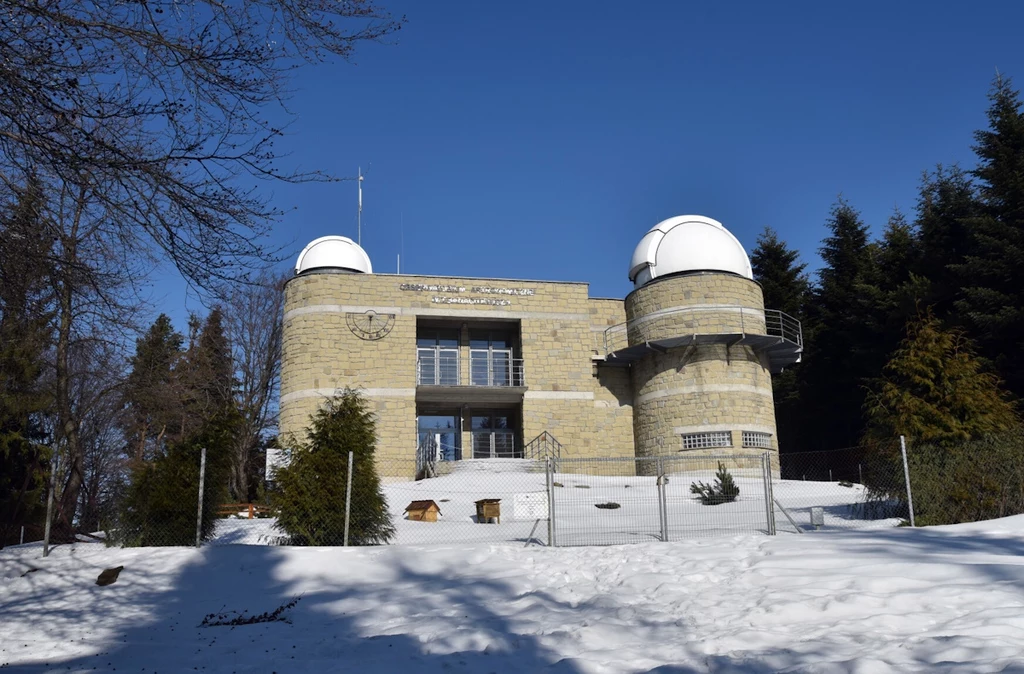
[[542, 139]]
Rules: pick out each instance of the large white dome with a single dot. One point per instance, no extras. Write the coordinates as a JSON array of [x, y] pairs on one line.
[[687, 243], [333, 252]]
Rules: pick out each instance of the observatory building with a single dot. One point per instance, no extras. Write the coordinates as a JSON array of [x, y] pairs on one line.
[[465, 369]]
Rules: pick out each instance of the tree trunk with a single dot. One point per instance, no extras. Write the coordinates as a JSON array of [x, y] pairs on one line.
[[67, 422]]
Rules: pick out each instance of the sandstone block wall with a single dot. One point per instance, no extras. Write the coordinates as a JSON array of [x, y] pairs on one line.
[[700, 388], [589, 412]]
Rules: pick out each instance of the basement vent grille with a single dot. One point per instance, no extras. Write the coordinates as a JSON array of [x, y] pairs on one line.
[[707, 440]]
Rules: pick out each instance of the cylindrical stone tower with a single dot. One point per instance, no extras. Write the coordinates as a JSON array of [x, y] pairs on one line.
[[703, 384]]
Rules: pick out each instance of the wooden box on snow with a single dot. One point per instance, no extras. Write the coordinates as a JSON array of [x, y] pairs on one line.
[[486, 508], [423, 511]]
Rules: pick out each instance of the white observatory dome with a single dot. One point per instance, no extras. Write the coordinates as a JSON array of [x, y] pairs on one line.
[[687, 243], [333, 252]]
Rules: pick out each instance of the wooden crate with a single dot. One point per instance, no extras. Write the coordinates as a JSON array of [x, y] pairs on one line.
[[488, 509]]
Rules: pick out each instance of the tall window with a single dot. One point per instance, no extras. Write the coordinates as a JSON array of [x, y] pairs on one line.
[[490, 359], [437, 357]]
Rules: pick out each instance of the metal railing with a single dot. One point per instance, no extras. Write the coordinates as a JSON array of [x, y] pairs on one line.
[[744, 320], [495, 368], [437, 368], [544, 446], [486, 368], [495, 444]]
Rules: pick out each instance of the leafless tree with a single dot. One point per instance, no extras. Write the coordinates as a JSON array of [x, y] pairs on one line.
[[254, 316], [148, 125]]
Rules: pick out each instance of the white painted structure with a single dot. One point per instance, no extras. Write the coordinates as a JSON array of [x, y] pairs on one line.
[[687, 243], [334, 252]]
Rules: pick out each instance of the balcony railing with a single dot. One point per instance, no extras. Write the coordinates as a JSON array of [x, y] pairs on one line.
[[437, 367], [486, 368], [494, 368], [708, 320]]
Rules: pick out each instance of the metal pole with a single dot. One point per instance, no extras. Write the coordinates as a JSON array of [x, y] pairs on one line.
[[49, 502], [906, 474], [662, 506], [860, 472], [199, 508], [549, 465], [348, 498], [22, 541], [766, 476]]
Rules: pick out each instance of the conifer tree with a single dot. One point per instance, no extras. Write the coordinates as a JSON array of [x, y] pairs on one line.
[[993, 274], [153, 396], [785, 287], [935, 390], [25, 319], [946, 208], [839, 336], [311, 489]]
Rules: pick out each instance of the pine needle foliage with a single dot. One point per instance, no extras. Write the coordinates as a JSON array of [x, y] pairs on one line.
[[935, 390], [159, 505], [310, 490], [724, 490]]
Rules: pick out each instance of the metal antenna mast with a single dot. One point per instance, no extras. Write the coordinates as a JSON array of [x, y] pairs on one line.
[[359, 215]]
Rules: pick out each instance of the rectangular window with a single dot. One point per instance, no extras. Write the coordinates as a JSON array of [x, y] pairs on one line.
[[757, 439], [707, 440]]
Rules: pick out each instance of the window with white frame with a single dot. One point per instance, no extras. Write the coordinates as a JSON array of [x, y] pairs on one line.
[[707, 440], [757, 439]]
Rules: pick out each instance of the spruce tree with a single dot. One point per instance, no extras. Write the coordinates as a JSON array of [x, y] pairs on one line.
[[935, 390], [152, 394], [785, 287], [25, 321], [841, 343], [159, 504], [310, 490], [946, 209], [993, 274]]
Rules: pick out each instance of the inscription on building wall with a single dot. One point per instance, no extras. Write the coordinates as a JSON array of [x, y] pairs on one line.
[[483, 290]]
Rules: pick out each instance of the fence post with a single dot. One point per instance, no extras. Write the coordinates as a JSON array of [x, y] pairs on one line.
[[906, 475], [199, 509], [550, 479], [49, 503], [769, 497], [348, 498], [662, 506]]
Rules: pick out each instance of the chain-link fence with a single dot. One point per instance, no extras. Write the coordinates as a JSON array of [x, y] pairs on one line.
[[577, 501], [608, 501], [854, 488]]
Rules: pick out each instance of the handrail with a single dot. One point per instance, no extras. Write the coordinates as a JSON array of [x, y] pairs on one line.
[[544, 446], [775, 324]]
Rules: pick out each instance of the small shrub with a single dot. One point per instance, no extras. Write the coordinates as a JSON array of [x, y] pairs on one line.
[[845, 483], [723, 491]]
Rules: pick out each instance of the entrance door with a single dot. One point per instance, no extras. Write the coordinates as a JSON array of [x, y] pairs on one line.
[[439, 437], [493, 436]]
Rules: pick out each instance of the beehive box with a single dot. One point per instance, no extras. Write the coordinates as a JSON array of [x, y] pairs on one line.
[[423, 511]]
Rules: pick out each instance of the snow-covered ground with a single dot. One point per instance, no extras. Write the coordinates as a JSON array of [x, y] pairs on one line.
[[578, 520], [946, 599]]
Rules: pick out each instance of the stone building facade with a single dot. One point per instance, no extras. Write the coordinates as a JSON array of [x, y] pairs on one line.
[[464, 369]]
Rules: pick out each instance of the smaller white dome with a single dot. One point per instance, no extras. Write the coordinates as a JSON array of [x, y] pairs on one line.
[[687, 243], [333, 252]]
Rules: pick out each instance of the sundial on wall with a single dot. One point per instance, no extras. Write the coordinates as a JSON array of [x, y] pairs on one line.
[[370, 325]]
